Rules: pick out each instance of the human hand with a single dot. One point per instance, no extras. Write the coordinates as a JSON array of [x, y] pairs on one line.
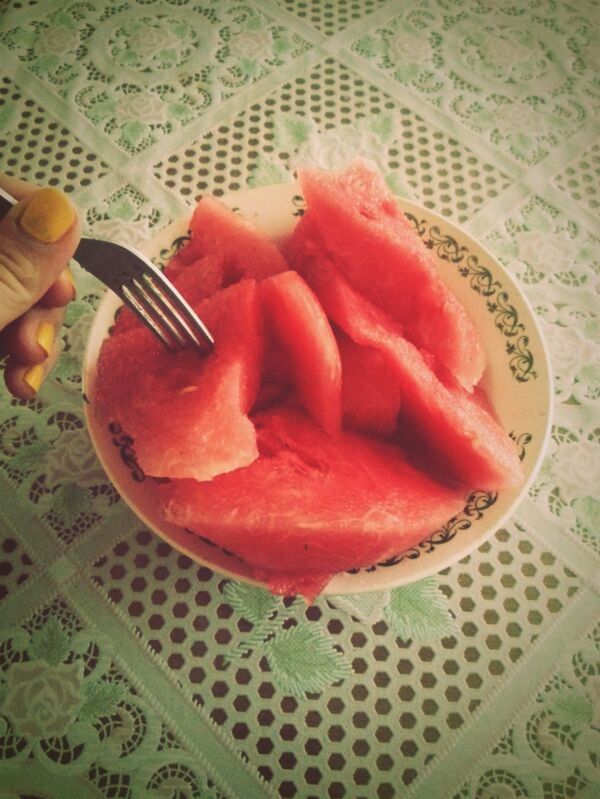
[[38, 236]]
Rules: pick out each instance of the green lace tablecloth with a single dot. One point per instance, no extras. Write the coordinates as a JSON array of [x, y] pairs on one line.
[[128, 671]]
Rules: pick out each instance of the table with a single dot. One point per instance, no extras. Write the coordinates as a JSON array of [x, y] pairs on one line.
[[129, 671]]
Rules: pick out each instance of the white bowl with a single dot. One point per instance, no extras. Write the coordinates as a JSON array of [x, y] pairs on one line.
[[517, 381]]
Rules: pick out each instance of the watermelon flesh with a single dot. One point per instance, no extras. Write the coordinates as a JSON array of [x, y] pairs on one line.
[[298, 323], [196, 408], [464, 440], [312, 504], [371, 395], [337, 422], [224, 248], [366, 235]]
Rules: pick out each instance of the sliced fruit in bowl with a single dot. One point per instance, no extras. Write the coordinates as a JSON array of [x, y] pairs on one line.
[[341, 436]]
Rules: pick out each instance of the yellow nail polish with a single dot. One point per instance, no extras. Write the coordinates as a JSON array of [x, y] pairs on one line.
[[45, 336], [71, 279], [47, 216], [34, 377]]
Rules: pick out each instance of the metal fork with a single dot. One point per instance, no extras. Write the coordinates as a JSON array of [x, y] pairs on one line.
[[142, 287]]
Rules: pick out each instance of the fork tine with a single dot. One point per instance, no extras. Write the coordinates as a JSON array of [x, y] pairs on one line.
[[200, 335], [175, 313], [132, 301], [139, 293]]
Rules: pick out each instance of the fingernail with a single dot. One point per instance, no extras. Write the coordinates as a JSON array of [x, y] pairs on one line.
[[47, 216], [45, 336], [71, 280], [34, 377]]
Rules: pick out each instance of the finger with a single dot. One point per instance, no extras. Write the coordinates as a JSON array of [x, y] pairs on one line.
[[19, 189], [61, 292], [23, 380], [38, 236], [31, 337]]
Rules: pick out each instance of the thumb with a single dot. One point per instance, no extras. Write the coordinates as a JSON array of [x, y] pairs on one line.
[[38, 236]]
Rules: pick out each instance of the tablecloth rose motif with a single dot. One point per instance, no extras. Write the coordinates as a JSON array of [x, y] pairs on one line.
[[252, 44], [72, 457], [405, 45], [128, 233], [152, 43], [566, 485], [570, 351], [500, 53], [501, 49], [524, 127], [41, 700], [146, 38], [547, 251], [252, 48], [43, 694], [140, 107], [404, 49], [70, 502], [337, 148], [545, 247], [57, 40], [577, 466], [519, 119]]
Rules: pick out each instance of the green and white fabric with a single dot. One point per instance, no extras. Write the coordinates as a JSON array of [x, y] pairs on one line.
[[128, 671]]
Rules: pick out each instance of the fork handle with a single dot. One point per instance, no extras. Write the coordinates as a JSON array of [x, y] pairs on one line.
[[6, 203]]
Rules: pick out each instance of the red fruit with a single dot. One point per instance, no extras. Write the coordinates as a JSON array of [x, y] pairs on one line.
[[312, 504], [376, 249], [224, 248], [371, 394], [187, 414], [297, 322], [459, 435]]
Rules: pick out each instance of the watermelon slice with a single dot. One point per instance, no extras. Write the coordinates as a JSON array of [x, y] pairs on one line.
[[371, 394], [224, 248], [187, 414], [376, 249], [460, 436], [312, 504], [298, 323]]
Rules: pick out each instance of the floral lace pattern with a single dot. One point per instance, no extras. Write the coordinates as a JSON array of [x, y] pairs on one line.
[[478, 68], [556, 260], [148, 675], [553, 747], [49, 464], [65, 705], [126, 216], [156, 86]]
